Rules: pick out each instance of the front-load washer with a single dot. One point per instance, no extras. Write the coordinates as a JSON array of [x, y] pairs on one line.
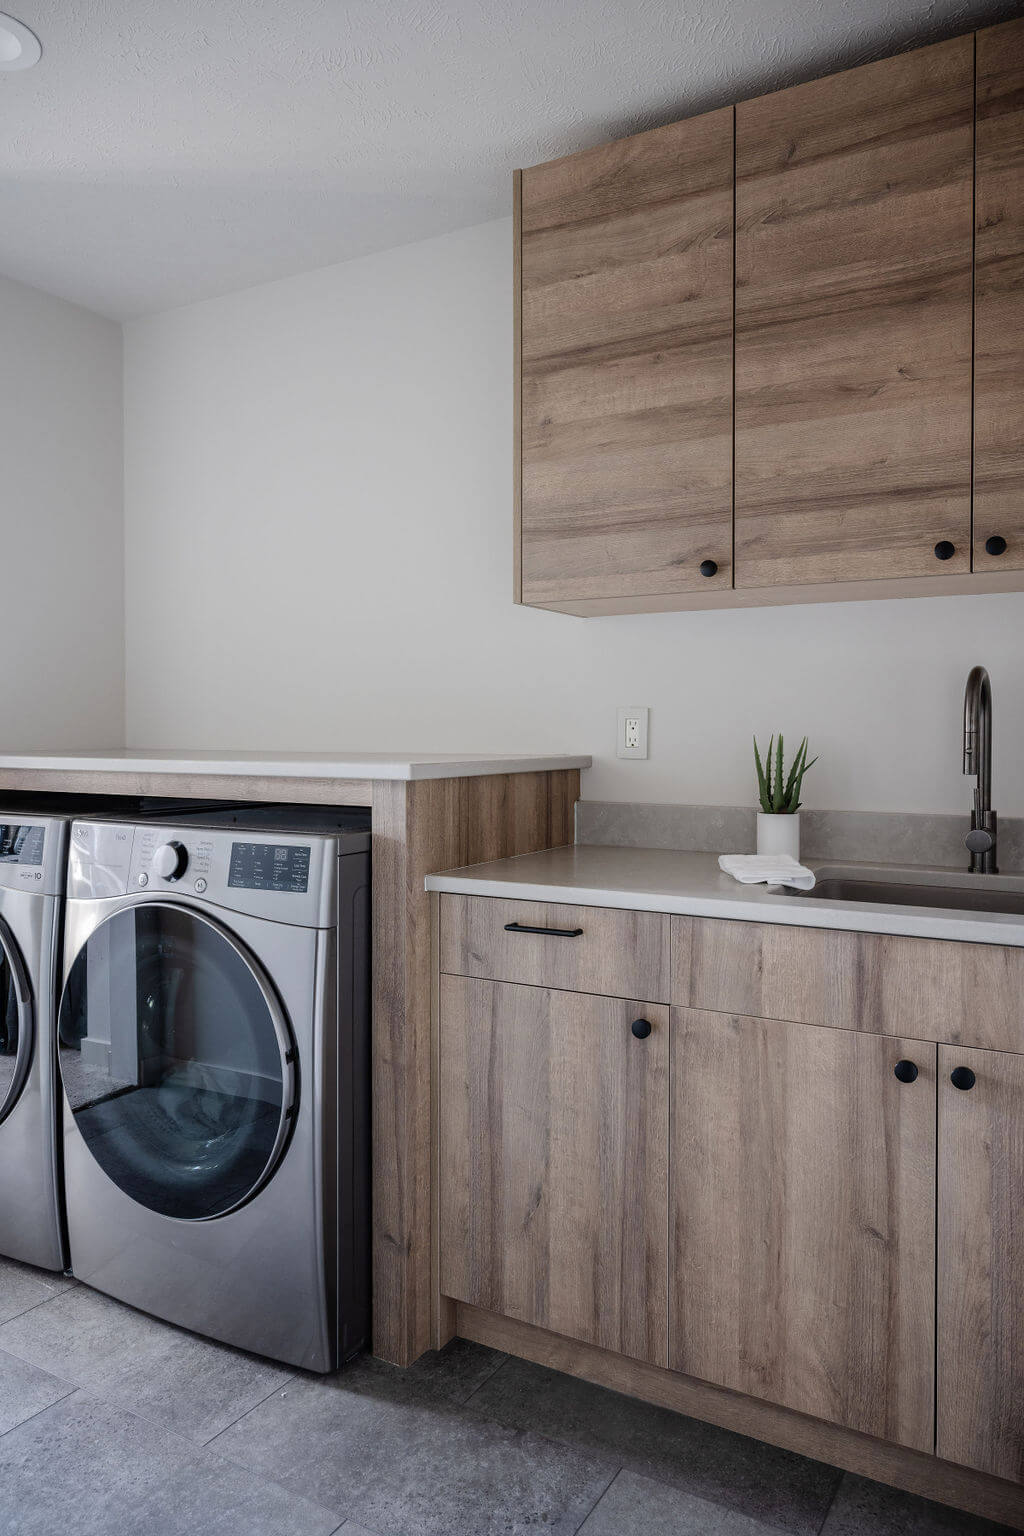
[[33, 844], [213, 1047]]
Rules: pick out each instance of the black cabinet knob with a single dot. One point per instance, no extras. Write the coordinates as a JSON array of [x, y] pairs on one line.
[[906, 1071], [944, 550], [996, 545], [962, 1077], [709, 567], [641, 1028]]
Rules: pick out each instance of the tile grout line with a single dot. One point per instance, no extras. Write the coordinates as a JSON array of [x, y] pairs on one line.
[[39, 1411], [32, 1307], [831, 1503], [488, 1378], [611, 1483], [281, 1386]]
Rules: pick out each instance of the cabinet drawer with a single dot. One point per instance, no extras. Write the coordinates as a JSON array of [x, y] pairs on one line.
[[581, 949], [933, 989]]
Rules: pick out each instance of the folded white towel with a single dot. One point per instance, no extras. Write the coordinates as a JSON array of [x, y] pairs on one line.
[[767, 869]]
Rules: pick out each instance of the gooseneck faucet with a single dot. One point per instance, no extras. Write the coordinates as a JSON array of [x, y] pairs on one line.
[[981, 839]]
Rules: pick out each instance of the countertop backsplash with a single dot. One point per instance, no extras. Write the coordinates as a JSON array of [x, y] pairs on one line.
[[888, 837]]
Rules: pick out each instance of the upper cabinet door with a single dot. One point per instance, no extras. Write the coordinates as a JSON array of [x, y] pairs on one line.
[[853, 324], [999, 302], [626, 310]]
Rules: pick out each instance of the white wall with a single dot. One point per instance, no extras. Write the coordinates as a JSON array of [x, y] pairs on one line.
[[61, 613], [318, 508]]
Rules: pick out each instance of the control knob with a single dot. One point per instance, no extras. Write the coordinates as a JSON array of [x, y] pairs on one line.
[[170, 861]]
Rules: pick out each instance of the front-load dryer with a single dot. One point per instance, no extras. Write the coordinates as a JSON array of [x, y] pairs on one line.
[[213, 1049], [32, 857]]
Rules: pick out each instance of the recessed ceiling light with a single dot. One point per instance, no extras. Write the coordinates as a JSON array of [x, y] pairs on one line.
[[19, 48]]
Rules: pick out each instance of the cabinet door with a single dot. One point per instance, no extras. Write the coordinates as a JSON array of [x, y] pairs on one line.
[[853, 323], [999, 302], [554, 1161], [803, 1219], [981, 1262], [626, 308]]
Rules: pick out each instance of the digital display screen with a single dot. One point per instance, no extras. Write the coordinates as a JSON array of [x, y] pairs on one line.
[[269, 867], [20, 844]]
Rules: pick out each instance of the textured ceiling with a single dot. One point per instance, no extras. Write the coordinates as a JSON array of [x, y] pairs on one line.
[[165, 151]]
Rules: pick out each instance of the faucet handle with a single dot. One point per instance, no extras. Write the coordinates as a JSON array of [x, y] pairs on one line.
[[980, 840]]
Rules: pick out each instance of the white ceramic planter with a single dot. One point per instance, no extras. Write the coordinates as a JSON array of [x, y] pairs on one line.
[[778, 834]]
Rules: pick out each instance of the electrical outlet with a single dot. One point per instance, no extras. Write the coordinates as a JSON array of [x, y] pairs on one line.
[[631, 737]]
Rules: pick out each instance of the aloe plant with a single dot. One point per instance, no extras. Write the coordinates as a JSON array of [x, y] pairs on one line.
[[780, 794]]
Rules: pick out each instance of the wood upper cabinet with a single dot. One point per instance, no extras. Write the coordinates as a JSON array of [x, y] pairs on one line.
[[626, 366], [853, 323], [803, 1219], [553, 1161], [981, 1262], [999, 301]]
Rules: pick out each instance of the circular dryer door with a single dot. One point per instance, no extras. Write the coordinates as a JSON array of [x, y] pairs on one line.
[[15, 1023], [176, 1061]]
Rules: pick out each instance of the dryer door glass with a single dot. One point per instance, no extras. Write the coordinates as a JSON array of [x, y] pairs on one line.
[[176, 1061], [15, 1024]]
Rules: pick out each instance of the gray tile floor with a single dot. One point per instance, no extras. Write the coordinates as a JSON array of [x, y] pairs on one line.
[[113, 1423]]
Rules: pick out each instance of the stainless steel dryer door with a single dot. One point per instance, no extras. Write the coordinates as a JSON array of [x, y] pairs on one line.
[[15, 1022], [177, 1061]]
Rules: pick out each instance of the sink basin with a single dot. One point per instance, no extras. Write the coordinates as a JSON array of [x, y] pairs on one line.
[[920, 888]]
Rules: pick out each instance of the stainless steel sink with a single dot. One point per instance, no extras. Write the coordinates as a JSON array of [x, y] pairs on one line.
[[945, 889]]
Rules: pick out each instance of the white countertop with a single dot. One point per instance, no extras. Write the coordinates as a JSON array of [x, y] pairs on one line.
[[660, 880], [293, 765]]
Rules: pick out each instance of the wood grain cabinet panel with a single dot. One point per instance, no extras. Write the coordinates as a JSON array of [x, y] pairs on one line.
[[626, 362], [981, 1263], [553, 1162], [803, 1220], [880, 983], [592, 949], [999, 300], [853, 323]]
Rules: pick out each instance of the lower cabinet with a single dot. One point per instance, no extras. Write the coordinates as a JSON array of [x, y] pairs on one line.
[[981, 1261], [553, 1161], [823, 1218], [803, 1219]]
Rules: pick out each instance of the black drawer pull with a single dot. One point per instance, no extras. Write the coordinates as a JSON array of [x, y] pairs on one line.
[[906, 1071], [995, 545], [962, 1078], [554, 933], [944, 550]]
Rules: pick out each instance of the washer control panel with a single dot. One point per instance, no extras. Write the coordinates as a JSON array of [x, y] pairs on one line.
[[170, 858], [263, 866], [286, 876]]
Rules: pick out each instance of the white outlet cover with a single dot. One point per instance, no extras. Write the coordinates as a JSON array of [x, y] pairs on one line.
[[631, 731]]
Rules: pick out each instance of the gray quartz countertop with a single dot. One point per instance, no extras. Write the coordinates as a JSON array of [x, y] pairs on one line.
[[662, 880], [293, 765]]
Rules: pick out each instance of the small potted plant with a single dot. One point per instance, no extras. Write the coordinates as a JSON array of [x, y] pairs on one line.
[[778, 820]]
